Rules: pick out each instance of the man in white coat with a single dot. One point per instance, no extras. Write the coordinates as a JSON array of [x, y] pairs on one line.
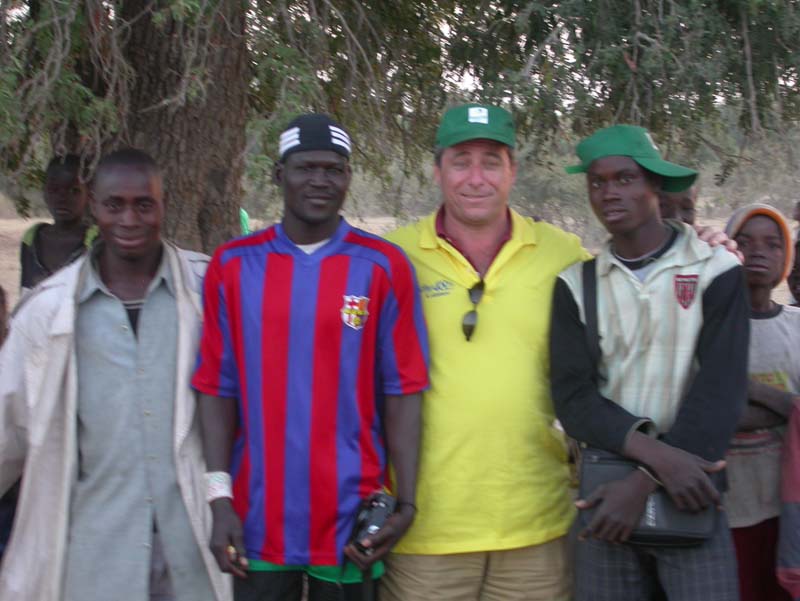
[[97, 416]]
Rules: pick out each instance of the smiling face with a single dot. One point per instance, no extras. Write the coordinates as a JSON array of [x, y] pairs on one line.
[[314, 185], [476, 179], [128, 205], [761, 243], [623, 198]]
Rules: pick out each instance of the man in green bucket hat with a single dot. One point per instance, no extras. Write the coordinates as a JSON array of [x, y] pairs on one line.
[[659, 378]]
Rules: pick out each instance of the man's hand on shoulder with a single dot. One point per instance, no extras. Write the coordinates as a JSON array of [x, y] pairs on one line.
[[714, 237], [384, 539]]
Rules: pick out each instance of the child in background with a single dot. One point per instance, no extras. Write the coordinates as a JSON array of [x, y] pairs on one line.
[[753, 500], [679, 205], [47, 247]]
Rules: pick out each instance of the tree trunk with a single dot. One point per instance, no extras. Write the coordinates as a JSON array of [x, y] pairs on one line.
[[755, 122], [199, 137]]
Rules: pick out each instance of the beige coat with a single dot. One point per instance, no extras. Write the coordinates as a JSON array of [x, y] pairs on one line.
[[38, 427]]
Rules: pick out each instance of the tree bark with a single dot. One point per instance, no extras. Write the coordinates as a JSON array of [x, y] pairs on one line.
[[755, 122], [198, 137]]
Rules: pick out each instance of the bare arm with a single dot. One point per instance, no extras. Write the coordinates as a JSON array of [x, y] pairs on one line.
[[403, 425], [756, 417], [218, 419], [767, 407], [777, 401]]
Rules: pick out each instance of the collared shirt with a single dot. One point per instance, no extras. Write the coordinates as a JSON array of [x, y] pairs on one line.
[[493, 472], [442, 233], [127, 483], [673, 349], [754, 458]]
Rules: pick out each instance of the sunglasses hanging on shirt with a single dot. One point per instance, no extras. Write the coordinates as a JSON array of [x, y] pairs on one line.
[[470, 319]]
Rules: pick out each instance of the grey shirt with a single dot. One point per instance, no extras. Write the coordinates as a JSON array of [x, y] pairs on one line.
[[754, 458], [127, 487]]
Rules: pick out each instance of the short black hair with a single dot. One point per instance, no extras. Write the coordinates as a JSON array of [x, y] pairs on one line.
[[69, 163], [127, 157]]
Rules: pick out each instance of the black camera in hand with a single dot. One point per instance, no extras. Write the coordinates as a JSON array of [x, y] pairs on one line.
[[371, 517]]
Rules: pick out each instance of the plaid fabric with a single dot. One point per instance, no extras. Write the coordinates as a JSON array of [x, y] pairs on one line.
[[608, 572]]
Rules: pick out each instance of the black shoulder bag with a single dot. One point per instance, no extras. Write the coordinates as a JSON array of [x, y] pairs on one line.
[[662, 523]]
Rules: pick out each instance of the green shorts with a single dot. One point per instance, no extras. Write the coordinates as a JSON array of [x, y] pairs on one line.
[[350, 574]]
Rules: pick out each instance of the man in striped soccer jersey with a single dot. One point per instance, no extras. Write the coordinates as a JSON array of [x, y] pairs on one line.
[[313, 356]]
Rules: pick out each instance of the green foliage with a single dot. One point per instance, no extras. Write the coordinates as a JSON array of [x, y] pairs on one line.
[[377, 66], [711, 79], [665, 65]]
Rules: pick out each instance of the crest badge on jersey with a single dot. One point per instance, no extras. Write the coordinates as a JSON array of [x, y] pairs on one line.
[[686, 289], [354, 311]]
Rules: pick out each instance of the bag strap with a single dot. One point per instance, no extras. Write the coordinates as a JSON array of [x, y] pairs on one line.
[[590, 310]]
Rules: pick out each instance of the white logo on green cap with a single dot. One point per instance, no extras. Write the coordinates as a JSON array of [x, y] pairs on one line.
[[478, 114]]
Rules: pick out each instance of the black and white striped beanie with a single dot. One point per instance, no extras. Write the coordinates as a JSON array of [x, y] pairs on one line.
[[314, 131]]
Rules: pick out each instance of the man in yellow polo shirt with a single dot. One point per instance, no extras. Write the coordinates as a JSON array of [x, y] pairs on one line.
[[493, 501]]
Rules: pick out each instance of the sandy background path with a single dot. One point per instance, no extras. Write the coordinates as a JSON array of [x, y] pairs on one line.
[[11, 231]]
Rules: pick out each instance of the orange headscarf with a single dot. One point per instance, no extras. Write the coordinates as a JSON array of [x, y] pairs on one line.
[[744, 214]]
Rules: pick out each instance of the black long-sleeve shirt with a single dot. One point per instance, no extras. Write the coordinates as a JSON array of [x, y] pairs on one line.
[[709, 412]]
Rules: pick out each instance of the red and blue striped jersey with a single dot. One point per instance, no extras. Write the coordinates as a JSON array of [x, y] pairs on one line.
[[309, 345]]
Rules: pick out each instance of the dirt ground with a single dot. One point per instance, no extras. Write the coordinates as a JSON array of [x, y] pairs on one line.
[[11, 231]]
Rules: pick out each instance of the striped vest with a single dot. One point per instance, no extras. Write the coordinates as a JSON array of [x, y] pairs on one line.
[[649, 330]]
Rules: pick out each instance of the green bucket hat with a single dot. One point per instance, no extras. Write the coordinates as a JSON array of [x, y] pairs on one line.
[[473, 122], [636, 143]]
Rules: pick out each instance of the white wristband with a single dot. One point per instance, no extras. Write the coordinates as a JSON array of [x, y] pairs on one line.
[[218, 485]]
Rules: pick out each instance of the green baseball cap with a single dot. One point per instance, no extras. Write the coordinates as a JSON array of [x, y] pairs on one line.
[[636, 143], [473, 122]]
